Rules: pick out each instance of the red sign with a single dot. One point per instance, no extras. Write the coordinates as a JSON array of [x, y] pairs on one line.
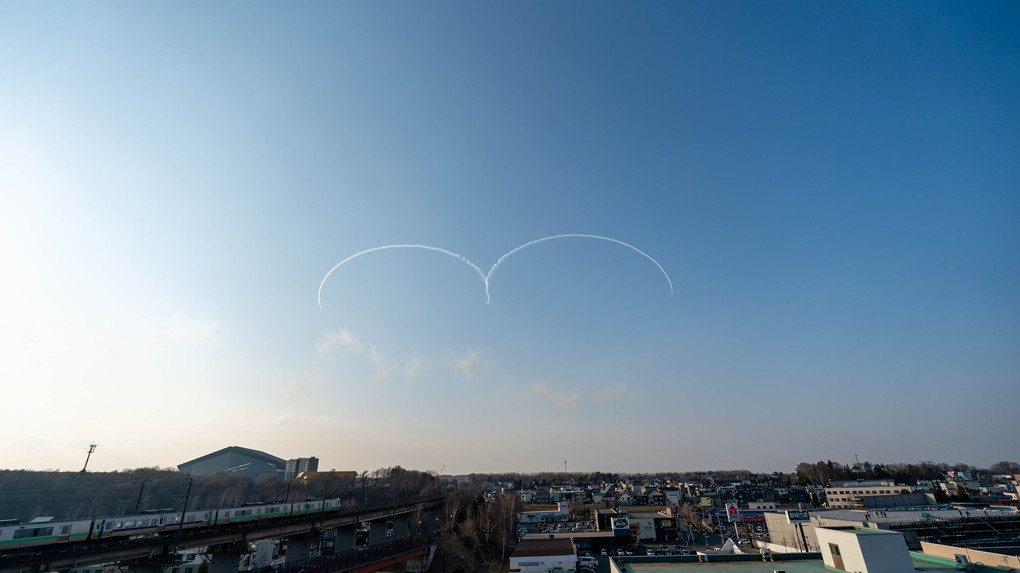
[[732, 512]]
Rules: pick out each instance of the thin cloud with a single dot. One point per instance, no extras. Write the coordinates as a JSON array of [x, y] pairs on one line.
[[610, 394], [559, 400], [383, 369], [414, 367], [345, 341], [331, 342], [292, 418], [298, 386], [466, 365], [564, 401]]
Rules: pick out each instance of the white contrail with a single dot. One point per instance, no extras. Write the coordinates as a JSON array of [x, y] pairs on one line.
[[426, 247], [488, 277]]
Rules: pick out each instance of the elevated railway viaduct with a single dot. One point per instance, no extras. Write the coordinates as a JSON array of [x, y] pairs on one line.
[[226, 543]]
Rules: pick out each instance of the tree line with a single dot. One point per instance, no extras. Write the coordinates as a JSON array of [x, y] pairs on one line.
[[25, 494], [824, 473]]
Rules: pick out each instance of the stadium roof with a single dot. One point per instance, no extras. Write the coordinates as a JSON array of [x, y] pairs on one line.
[[261, 456]]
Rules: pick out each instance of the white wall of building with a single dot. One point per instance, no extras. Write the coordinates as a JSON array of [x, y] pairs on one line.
[[865, 552], [544, 564]]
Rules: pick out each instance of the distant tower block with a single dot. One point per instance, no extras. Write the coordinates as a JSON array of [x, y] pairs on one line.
[[296, 466]]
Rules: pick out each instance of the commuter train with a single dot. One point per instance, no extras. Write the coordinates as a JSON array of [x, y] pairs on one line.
[[39, 533]]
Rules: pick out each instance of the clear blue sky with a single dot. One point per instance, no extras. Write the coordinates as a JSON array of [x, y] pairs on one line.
[[834, 190]]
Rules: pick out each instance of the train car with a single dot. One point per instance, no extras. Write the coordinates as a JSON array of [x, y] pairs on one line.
[[252, 513], [276, 510], [149, 524], [127, 526], [172, 521], [43, 533], [307, 507]]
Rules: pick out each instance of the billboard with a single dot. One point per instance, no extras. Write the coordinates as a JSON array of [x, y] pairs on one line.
[[797, 517], [621, 526], [732, 512]]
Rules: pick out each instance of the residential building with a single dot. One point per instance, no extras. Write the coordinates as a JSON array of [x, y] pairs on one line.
[[299, 465]]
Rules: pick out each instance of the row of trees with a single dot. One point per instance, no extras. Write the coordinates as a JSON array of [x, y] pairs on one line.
[[824, 473], [75, 495], [821, 473], [585, 478]]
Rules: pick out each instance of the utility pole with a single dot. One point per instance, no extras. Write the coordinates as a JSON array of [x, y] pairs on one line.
[[322, 517], [184, 508], [140, 490], [92, 448]]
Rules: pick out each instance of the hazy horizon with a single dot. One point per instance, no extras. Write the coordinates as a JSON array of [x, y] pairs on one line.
[[832, 191]]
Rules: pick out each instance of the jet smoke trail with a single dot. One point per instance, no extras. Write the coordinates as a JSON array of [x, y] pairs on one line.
[[426, 247], [488, 277]]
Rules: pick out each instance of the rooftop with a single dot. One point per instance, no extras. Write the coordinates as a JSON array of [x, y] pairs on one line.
[[719, 564], [891, 515], [543, 547], [255, 454]]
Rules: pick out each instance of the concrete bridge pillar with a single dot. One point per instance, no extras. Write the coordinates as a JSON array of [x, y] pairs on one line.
[[344, 539], [377, 532], [420, 564], [402, 527], [226, 558], [429, 522], [224, 562], [298, 549]]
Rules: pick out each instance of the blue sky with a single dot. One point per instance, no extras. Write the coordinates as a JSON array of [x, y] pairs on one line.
[[833, 190]]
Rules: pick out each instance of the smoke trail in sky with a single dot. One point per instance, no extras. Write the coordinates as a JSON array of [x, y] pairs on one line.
[[488, 277], [426, 247]]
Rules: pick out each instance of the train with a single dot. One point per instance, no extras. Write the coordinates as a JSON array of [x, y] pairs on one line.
[[41, 533]]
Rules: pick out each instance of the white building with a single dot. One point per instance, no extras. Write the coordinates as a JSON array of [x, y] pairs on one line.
[[562, 513], [859, 550], [850, 494]]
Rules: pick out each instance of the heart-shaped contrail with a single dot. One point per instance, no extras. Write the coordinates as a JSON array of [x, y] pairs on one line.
[[487, 277]]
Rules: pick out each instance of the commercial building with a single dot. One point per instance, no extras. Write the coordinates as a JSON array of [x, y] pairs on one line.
[[653, 525], [562, 513], [544, 556], [949, 524], [851, 494]]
